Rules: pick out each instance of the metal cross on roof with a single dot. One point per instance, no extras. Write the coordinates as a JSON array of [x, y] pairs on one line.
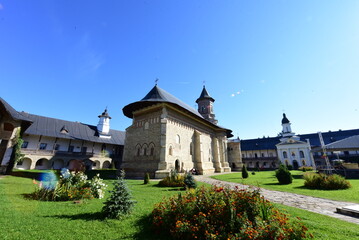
[[156, 80]]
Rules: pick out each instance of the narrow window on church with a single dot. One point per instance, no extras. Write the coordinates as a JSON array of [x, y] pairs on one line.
[[190, 149], [138, 151], [152, 151], [170, 151], [145, 151], [178, 139], [285, 155], [301, 153]]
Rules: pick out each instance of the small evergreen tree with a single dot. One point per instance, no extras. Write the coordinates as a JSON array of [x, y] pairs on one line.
[[283, 175], [189, 181], [146, 179], [244, 172], [119, 203]]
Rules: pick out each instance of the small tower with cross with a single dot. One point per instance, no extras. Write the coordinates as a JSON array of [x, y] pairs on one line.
[[205, 106], [103, 126]]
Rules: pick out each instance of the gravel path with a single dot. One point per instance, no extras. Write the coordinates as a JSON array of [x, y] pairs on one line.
[[313, 204]]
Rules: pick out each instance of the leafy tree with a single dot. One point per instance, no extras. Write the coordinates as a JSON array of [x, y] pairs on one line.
[[244, 172], [120, 202], [16, 155]]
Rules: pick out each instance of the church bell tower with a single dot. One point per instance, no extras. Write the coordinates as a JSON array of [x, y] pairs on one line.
[[103, 126], [205, 106]]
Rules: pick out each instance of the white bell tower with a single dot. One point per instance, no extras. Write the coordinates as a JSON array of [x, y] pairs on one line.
[[286, 128], [103, 126]]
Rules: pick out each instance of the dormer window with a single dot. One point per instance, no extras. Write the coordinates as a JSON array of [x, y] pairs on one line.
[[64, 130]]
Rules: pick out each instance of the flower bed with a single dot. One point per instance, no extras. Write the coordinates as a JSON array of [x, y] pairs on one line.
[[69, 186], [220, 213]]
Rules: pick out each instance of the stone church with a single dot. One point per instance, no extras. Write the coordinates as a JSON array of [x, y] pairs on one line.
[[168, 134]]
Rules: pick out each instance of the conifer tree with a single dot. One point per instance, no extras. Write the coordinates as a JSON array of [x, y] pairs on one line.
[[189, 181], [147, 178], [244, 172], [120, 202], [283, 175]]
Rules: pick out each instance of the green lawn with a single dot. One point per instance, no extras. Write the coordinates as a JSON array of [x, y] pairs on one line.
[[267, 180], [30, 219]]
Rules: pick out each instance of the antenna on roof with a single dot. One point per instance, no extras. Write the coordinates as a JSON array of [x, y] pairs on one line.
[[156, 81]]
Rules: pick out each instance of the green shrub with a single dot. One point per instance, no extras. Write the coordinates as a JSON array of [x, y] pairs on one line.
[[173, 180], [221, 213], [119, 203], [306, 168], [290, 167], [283, 175], [146, 180], [325, 182], [189, 181], [244, 172], [253, 173]]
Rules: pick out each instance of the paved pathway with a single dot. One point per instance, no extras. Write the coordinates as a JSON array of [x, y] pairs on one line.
[[313, 204]]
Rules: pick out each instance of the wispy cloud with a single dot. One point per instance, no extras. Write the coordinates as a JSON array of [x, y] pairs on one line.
[[236, 93], [85, 59]]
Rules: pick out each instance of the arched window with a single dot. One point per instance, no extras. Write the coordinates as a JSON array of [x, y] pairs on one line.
[[301, 154], [170, 151], [255, 155], [152, 151], [285, 155], [178, 139], [145, 151], [138, 150]]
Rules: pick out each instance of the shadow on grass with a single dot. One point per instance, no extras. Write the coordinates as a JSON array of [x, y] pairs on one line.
[[82, 216], [297, 176], [146, 232]]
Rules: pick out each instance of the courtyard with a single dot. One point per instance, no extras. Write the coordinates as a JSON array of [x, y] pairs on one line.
[[30, 219]]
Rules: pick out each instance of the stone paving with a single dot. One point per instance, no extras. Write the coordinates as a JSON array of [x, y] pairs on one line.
[[313, 204]]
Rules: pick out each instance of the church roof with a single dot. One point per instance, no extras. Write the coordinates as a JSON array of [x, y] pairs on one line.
[[53, 127], [12, 112], [350, 143], [285, 119], [204, 95], [158, 95], [270, 142]]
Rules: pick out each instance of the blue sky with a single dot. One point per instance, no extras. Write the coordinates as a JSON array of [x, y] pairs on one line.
[[71, 59]]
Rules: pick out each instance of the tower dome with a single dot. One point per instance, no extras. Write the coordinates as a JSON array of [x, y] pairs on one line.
[[285, 119], [205, 106]]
